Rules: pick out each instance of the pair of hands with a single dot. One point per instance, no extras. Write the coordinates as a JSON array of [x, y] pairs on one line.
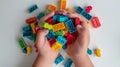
[[74, 50]]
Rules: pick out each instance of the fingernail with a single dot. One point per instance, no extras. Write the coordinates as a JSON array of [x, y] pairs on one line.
[[79, 26]]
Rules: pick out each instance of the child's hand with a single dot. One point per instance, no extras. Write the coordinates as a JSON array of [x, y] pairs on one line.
[[79, 47]]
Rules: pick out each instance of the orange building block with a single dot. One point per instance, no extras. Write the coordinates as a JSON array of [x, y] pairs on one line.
[[32, 25], [58, 26], [52, 8], [31, 20], [63, 4], [56, 46]]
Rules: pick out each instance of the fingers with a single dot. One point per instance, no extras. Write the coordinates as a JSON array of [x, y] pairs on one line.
[[82, 27]]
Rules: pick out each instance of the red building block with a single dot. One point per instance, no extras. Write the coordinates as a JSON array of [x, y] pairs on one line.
[[95, 22], [88, 9], [75, 34], [31, 20], [52, 41], [50, 21], [37, 29], [36, 49], [70, 39], [77, 21]]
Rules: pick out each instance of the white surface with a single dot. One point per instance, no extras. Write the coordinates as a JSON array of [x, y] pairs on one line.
[[12, 18]]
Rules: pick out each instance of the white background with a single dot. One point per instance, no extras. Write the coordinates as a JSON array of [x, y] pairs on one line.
[[12, 18]]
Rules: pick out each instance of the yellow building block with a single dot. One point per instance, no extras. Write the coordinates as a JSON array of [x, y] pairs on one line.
[[52, 8], [65, 30], [29, 50], [32, 25], [63, 4], [70, 9], [47, 25], [58, 26], [56, 46], [97, 52]]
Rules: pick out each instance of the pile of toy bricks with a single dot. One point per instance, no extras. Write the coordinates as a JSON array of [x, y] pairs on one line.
[[62, 29]]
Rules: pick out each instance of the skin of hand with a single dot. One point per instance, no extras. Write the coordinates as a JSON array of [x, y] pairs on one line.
[[78, 49], [46, 55]]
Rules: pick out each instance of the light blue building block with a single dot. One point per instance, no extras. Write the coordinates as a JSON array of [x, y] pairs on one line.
[[63, 18], [27, 28], [40, 15], [61, 40], [50, 35], [86, 15], [33, 8], [70, 26], [79, 10], [68, 63], [89, 51], [59, 59]]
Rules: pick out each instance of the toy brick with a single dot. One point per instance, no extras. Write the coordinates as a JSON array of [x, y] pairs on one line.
[[40, 15], [59, 59], [58, 26], [86, 15], [68, 63], [30, 37], [52, 7], [61, 40], [95, 22], [79, 9], [63, 18], [45, 12], [50, 35], [47, 25], [59, 33], [53, 40], [75, 34], [24, 50], [32, 25], [34, 37], [56, 46], [29, 50], [37, 28], [70, 39], [22, 43], [31, 20], [88, 9], [27, 28], [64, 47], [27, 33], [50, 21], [70, 9], [98, 52], [77, 21], [63, 4], [55, 17], [33, 8], [70, 26], [89, 51]]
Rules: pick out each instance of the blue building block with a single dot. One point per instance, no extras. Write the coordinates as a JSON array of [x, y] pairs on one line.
[[59, 59], [63, 18], [27, 33], [27, 28], [61, 40], [55, 17], [79, 10], [24, 50], [86, 15], [89, 51], [70, 26], [40, 15], [50, 35], [68, 63], [33, 8], [30, 37], [64, 47]]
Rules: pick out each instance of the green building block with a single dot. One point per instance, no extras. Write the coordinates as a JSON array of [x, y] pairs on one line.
[[45, 12], [47, 25], [59, 33], [34, 37], [22, 43]]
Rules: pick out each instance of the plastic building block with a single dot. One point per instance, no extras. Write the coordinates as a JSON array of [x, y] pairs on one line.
[[22, 43], [30, 37], [65, 30], [61, 40], [32, 25], [56, 46], [70, 9], [77, 21], [29, 50], [75, 34], [63, 4], [37, 28], [79, 9], [86, 15], [52, 7], [59, 59], [88, 9], [24, 50], [27, 33], [89, 51], [55, 17], [36, 49], [95, 22], [53, 40], [58, 26], [59, 33], [98, 52], [62, 18], [64, 47], [31, 20], [50, 21], [45, 12], [70, 39], [40, 15], [70, 26], [68, 63], [47, 25], [34, 37], [50, 35], [33, 8], [27, 28]]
